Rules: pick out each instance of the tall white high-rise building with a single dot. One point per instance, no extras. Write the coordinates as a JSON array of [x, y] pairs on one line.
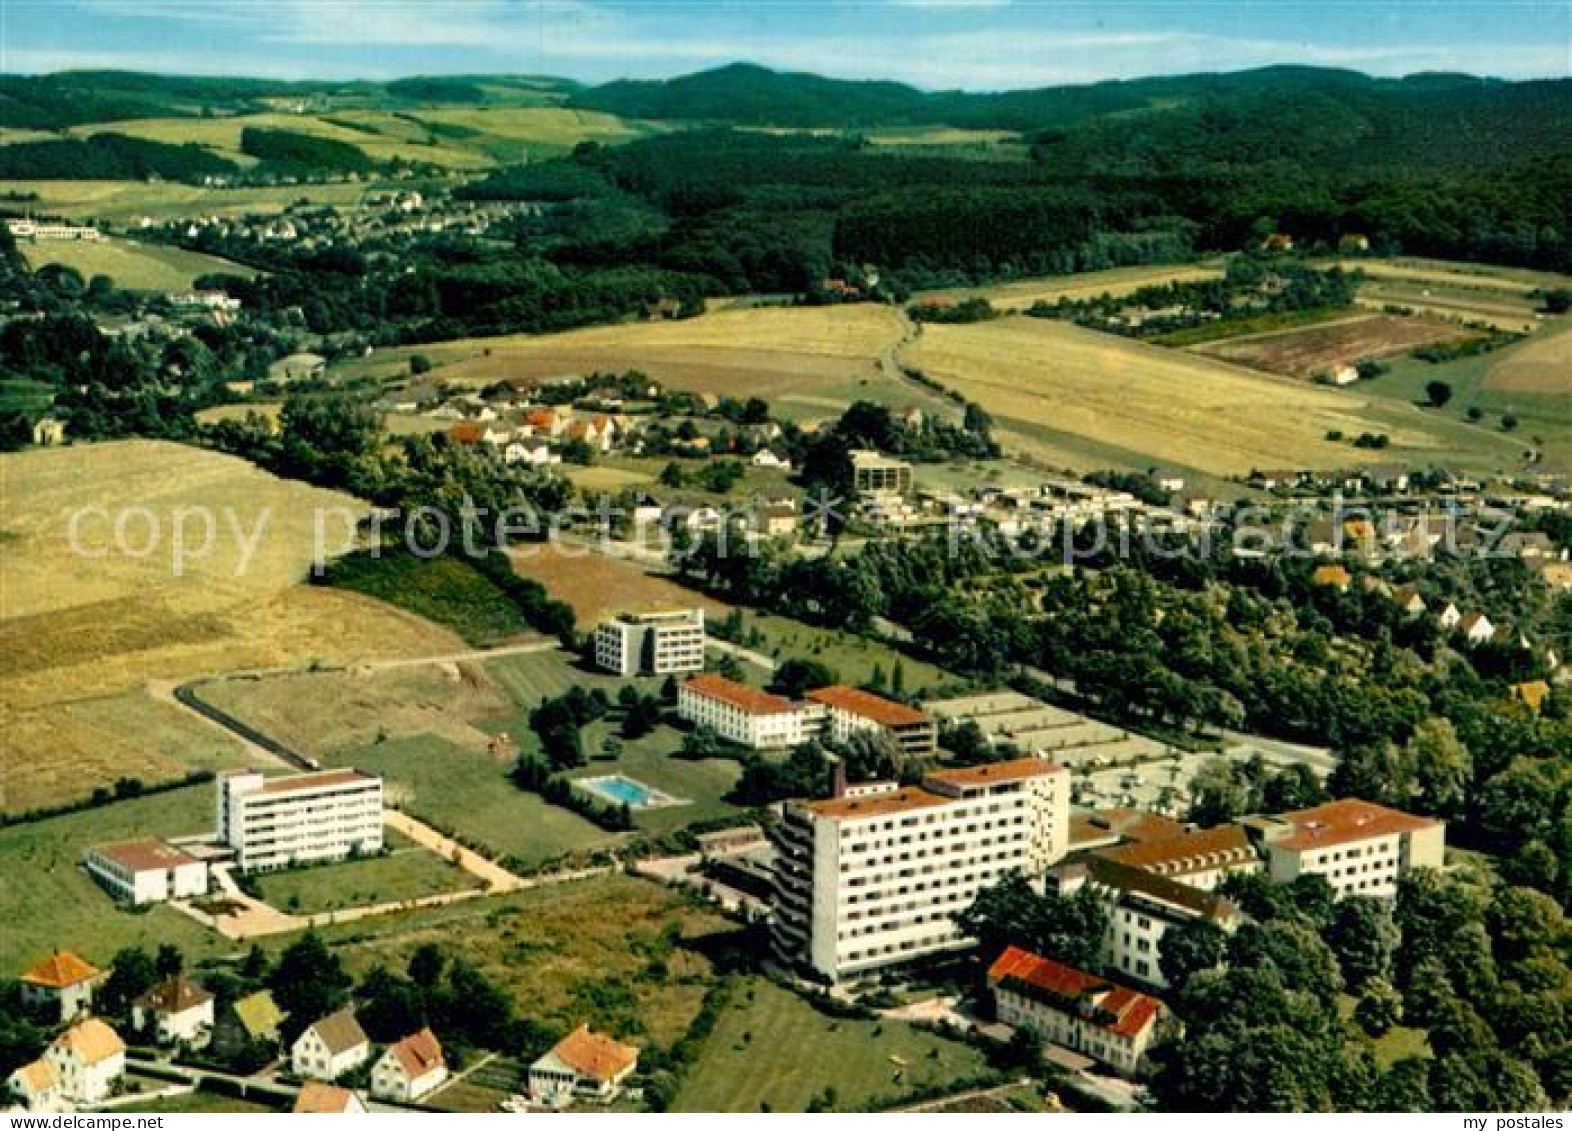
[[874, 878], [651, 643], [298, 818]]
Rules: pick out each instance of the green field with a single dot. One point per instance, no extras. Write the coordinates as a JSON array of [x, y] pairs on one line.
[[47, 900], [405, 873], [198, 1103], [650, 760], [443, 589], [770, 1047], [1545, 415], [133, 266], [854, 658], [126, 202]]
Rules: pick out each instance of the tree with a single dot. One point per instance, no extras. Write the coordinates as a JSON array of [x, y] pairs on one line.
[[1443, 768], [794, 677], [1299, 957], [1066, 929], [1188, 949], [1438, 393], [131, 975], [426, 965], [1379, 1008], [169, 962], [1364, 937], [309, 981]]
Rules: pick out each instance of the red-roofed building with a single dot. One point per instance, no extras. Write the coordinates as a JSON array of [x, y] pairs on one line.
[[851, 711], [410, 1068], [62, 983], [583, 1064], [1200, 858], [1361, 848], [1110, 1023], [746, 715], [147, 870]]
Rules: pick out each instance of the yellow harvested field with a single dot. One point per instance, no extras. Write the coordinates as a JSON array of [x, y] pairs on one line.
[[133, 266], [1541, 365], [1117, 281], [84, 631], [598, 586], [1056, 388], [765, 351]]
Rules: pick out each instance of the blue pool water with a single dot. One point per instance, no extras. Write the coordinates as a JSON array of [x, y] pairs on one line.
[[620, 790]]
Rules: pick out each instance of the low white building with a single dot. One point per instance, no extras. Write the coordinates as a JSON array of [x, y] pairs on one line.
[[175, 1012], [850, 710], [298, 818], [147, 870], [1110, 1023], [88, 1058], [330, 1047], [584, 1064], [36, 1087], [410, 1069], [1361, 848], [658, 642], [747, 716]]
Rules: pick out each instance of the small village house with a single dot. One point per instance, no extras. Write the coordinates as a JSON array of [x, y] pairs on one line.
[[1476, 628], [317, 1098], [584, 1064], [410, 1069], [176, 1011], [1531, 693], [246, 1023], [330, 1047], [36, 1087], [61, 985], [89, 1058]]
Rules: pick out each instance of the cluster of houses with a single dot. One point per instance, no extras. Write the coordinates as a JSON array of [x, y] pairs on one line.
[[406, 214], [85, 1064]]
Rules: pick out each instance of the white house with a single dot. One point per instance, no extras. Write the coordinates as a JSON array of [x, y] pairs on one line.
[[88, 1058], [655, 642], [330, 1047], [410, 1068], [583, 1064], [1476, 628], [1449, 616], [147, 870], [36, 1086], [177, 1011], [536, 454], [61, 984], [766, 457], [1108, 1022]]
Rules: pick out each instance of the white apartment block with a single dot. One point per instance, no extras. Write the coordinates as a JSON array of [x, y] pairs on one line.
[[874, 879], [299, 818], [747, 716], [147, 871], [653, 643], [29, 229], [876, 474], [1361, 848]]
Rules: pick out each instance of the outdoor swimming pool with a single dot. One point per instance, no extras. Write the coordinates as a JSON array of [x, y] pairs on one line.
[[621, 790]]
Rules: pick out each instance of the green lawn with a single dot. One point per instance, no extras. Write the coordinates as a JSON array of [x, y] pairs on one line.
[[853, 657], [770, 1047], [1398, 1043], [47, 900], [1539, 414], [650, 760], [405, 873], [461, 789], [133, 266], [444, 589], [531, 677], [199, 1103]]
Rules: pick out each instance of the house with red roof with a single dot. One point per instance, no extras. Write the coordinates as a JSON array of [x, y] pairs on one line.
[[850, 710], [410, 1069], [1361, 848], [1112, 1024], [583, 1064], [61, 984]]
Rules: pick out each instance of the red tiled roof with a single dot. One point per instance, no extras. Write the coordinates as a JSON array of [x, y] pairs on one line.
[[1017, 769], [1118, 1009], [877, 804], [466, 433], [866, 705], [1189, 852], [317, 1098], [744, 698], [148, 854], [319, 780], [594, 1055], [418, 1054], [1344, 821], [61, 969]]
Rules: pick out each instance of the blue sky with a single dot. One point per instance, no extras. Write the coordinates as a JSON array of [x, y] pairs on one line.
[[973, 44]]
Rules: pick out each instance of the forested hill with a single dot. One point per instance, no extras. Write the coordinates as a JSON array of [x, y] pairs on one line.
[[745, 94]]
